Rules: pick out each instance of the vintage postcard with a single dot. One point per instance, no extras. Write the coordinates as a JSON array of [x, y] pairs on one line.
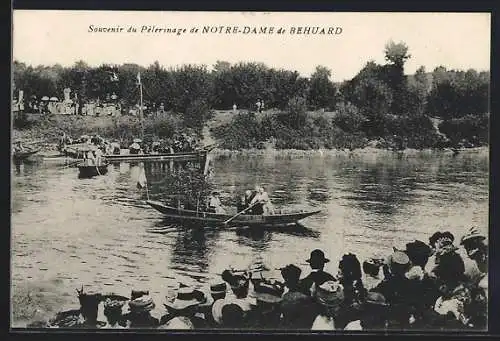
[[250, 171]]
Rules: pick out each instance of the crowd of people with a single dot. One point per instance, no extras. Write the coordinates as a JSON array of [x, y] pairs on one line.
[[426, 286], [179, 143]]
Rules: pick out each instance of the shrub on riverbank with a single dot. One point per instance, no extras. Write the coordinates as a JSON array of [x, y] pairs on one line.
[[467, 131], [122, 128], [246, 131]]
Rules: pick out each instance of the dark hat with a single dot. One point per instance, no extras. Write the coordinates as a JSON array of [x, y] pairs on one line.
[[433, 239], [232, 315], [370, 267], [138, 293], [235, 281], [267, 292], [291, 273], [317, 256], [218, 288], [450, 267], [418, 249], [350, 267], [445, 238]]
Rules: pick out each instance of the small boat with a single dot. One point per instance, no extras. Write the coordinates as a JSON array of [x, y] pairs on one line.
[[23, 155], [190, 216], [86, 171], [183, 156]]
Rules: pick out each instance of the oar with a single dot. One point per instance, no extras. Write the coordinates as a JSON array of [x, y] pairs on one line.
[[241, 212], [71, 164]]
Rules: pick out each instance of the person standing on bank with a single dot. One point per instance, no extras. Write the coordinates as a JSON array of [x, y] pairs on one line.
[[317, 276]]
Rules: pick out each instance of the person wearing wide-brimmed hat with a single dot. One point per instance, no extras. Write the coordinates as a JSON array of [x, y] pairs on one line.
[[441, 243], [330, 297], [186, 304], [218, 290], [349, 275], [239, 285], [318, 276], [425, 291], [476, 248], [456, 296], [268, 297], [373, 314], [113, 310], [85, 317], [396, 289], [297, 309], [140, 313]]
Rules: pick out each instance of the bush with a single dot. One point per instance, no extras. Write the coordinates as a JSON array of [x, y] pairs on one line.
[[470, 130], [162, 125], [21, 121], [349, 118], [197, 113]]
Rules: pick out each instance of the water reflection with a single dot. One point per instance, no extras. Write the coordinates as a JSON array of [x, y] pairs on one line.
[[101, 231]]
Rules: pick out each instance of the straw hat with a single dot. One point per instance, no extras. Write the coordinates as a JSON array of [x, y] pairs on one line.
[[330, 294], [186, 297], [375, 298], [399, 259], [266, 292], [142, 304], [178, 322], [472, 234], [216, 288]]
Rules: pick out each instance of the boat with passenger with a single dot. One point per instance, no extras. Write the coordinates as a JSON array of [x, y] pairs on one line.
[[182, 215]]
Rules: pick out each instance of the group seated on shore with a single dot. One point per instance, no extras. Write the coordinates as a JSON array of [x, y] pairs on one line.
[[423, 287]]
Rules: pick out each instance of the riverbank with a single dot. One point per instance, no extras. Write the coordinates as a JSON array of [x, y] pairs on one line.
[[45, 131]]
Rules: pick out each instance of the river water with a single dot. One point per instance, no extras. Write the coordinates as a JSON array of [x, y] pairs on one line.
[[68, 232]]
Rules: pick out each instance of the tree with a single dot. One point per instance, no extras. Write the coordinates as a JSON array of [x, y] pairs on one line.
[[222, 66], [418, 89], [396, 53], [296, 113], [321, 91]]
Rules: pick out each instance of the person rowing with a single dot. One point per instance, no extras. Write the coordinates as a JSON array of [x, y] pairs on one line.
[[261, 203]]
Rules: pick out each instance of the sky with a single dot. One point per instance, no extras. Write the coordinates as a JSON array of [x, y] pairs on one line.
[[454, 40]]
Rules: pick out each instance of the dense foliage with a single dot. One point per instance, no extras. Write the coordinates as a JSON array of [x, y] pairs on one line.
[[380, 103]]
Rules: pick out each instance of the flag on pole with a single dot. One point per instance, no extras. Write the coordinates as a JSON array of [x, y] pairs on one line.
[[142, 181]]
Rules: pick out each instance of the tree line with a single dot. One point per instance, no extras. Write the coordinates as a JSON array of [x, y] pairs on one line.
[[380, 101]]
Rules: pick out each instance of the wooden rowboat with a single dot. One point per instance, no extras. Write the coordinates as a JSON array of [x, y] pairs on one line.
[[86, 171], [189, 216], [185, 156], [19, 156]]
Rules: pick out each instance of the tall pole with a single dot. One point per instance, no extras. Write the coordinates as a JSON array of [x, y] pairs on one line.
[[141, 107]]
